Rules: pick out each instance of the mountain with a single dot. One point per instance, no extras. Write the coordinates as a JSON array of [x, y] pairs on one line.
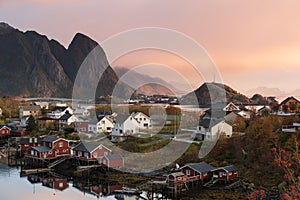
[[215, 92], [265, 91], [33, 65], [148, 85]]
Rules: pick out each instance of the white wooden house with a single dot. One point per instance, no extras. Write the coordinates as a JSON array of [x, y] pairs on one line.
[[57, 112], [210, 129], [105, 124], [66, 120], [143, 120], [125, 125]]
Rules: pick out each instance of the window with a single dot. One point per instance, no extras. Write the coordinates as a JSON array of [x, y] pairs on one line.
[[104, 161], [61, 185], [229, 173], [61, 144], [95, 155], [79, 153], [205, 174], [65, 150], [188, 172], [86, 155]]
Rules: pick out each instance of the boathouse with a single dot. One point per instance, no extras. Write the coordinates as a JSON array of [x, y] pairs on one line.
[[198, 171], [226, 173], [87, 151], [112, 161]]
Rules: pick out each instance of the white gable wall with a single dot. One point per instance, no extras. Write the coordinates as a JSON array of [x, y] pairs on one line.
[[143, 120], [217, 129], [105, 125]]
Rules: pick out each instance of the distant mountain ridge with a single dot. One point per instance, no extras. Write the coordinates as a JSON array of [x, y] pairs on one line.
[[149, 85], [33, 65]]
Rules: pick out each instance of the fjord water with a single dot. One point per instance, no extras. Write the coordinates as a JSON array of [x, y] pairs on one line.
[[14, 187]]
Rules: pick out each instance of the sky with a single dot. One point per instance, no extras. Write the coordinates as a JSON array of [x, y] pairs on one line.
[[253, 43]]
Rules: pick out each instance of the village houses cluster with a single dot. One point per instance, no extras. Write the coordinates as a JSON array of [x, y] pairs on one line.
[[61, 116], [120, 126]]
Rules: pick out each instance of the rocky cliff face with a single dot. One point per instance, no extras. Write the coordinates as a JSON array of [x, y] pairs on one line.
[[33, 65]]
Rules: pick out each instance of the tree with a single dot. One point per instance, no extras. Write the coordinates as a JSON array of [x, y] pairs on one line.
[[32, 126]]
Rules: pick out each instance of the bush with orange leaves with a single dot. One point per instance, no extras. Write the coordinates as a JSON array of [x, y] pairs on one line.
[[289, 162]]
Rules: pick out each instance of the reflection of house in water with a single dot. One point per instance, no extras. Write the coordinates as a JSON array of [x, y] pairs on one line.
[[49, 181], [104, 189], [56, 183], [101, 189]]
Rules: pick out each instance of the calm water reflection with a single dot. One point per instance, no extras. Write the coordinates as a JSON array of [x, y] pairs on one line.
[[45, 186]]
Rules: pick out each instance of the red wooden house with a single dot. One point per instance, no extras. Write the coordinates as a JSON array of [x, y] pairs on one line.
[[18, 132], [51, 147], [112, 161], [59, 145], [198, 171], [226, 173], [26, 143], [176, 178], [4, 131], [81, 126], [90, 151]]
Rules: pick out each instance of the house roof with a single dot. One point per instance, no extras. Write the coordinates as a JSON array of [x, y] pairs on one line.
[[27, 140], [136, 113], [288, 99], [50, 138], [32, 108], [2, 126], [215, 113], [46, 118], [206, 123], [201, 167], [60, 108], [230, 168], [231, 117], [106, 117], [66, 116], [114, 157], [42, 149], [87, 147], [121, 118]]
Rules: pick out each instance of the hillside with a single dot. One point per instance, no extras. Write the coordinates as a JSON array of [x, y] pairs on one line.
[[215, 92]]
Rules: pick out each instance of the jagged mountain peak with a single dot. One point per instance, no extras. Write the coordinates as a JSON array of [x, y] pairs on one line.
[[33, 65]]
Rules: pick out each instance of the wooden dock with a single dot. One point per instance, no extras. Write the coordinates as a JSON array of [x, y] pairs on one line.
[[34, 171]]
